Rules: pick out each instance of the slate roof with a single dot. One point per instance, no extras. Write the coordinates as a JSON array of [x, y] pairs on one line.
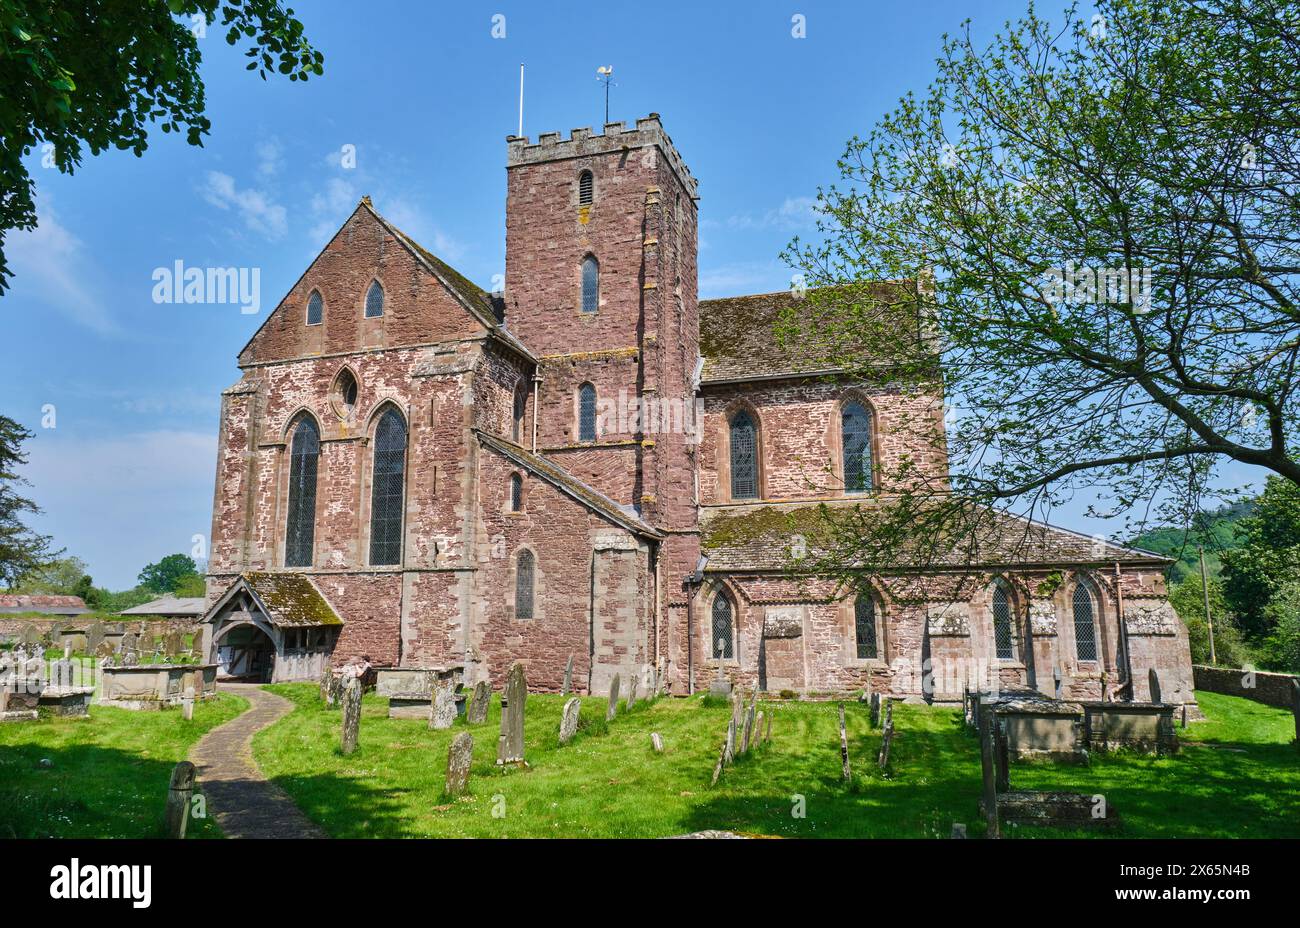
[[290, 600], [759, 537], [170, 605], [738, 341], [570, 485], [46, 603]]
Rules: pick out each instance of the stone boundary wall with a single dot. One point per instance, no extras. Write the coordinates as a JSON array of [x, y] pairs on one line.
[[14, 626], [1272, 689]]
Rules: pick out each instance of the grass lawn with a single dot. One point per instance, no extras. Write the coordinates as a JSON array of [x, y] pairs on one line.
[[108, 774], [1237, 775]]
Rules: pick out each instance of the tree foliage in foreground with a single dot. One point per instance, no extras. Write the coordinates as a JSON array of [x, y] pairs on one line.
[[1158, 140], [22, 550], [96, 74]]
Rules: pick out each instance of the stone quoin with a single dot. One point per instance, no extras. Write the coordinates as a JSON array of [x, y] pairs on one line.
[[594, 470]]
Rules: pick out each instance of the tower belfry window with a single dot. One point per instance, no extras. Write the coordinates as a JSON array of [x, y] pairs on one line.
[[586, 188]]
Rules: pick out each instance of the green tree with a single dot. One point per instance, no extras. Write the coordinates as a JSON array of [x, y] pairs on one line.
[[1102, 218], [1281, 647], [163, 576], [1229, 648], [64, 575], [21, 549], [97, 74], [1267, 555], [190, 586]]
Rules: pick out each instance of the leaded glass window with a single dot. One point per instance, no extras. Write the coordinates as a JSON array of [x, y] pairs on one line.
[[524, 585], [516, 493], [315, 308], [585, 186], [590, 284], [521, 404], [586, 413], [300, 531], [388, 489], [855, 440], [744, 457], [722, 644], [864, 626], [1085, 626], [374, 300], [1002, 624]]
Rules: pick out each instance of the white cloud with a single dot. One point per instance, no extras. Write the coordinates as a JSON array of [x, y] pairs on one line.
[[256, 208], [270, 157], [794, 213], [414, 223], [50, 266]]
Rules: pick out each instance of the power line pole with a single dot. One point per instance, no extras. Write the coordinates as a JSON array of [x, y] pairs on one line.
[[1205, 592]]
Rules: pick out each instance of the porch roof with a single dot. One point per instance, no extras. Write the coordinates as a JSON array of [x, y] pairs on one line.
[[289, 600]]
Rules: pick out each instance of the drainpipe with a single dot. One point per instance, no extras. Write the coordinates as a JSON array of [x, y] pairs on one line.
[[692, 583], [537, 394]]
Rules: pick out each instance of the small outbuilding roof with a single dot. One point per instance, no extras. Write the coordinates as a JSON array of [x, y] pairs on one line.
[[45, 604], [170, 605]]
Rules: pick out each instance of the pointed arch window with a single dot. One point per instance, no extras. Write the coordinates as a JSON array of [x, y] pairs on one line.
[[524, 570], [855, 442], [1003, 638], [315, 308], [516, 493], [388, 487], [517, 418], [586, 413], [744, 457], [1085, 622], [590, 284], [586, 186], [300, 530], [374, 300], [722, 643], [864, 626]]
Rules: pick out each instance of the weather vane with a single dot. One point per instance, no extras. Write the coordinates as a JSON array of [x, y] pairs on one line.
[[605, 74]]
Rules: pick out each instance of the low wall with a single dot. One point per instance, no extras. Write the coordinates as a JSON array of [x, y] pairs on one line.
[[156, 685], [1272, 689]]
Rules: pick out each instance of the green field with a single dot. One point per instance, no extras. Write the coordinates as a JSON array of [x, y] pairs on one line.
[[1238, 775], [106, 775]]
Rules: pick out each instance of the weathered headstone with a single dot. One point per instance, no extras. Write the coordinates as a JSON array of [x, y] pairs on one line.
[[129, 644], [173, 643], [179, 791], [749, 729], [569, 719], [767, 735], [758, 728], [875, 710], [351, 715], [613, 699], [477, 712], [657, 742], [326, 679], [717, 768], [738, 707], [29, 636], [568, 676], [94, 637], [729, 746], [104, 650], [338, 682], [887, 738], [442, 707], [187, 705], [988, 765], [844, 746], [459, 758], [510, 745], [631, 692], [1153, 681], [958, 830]]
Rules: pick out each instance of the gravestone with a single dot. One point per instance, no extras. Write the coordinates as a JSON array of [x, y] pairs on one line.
[[442, 707], [844, 747], [717, 768], [173, 643], [758, 728], [29, 636], [887, 738], [988, 770], [657, 742], [337, 683], [1153, 681], [767, 735], [631, 693], [459, 758], [875, 710], [130, 659], [323, 690], [613, 700], [94, 637], [67, 651], [477, 712], [568, 676], [187, 705], [129, 645], [510, 745], [104, 651], [179, 791], [729, 747], [351, 715], [569, 719], [738, 707], [749, 729], [63, 672], [958, 830]]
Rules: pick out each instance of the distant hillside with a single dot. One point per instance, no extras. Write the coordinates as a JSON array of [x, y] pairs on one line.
[[1214, 530]]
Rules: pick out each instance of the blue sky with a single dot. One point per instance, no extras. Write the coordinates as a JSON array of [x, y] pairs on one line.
[[427, 96]]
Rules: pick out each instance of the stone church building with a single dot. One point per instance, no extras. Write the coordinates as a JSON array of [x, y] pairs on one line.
[[597, 464]]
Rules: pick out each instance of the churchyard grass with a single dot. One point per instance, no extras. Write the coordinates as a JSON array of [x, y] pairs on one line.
[[1236, 776], [107, 775]]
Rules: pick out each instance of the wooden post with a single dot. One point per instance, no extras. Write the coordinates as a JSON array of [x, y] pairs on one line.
[[844, 746], [988, 764], [179, 792]]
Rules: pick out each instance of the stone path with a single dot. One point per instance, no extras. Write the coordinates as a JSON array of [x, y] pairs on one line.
[[244, 803]]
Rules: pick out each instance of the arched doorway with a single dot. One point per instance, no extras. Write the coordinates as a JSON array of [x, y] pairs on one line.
[[246, 653]]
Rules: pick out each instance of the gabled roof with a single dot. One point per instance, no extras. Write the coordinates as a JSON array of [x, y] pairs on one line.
[[759, 537], [45, 603], [289, 600], [738, 339], [170, 605], [570, 485]]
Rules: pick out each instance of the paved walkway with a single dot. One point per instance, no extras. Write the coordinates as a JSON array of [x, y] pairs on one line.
[[245, 804]]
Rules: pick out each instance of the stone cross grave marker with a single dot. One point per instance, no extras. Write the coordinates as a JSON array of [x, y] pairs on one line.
[[477, 712], [568, 677], [569, 719], [459, 757], [510, 745], [442, 706], [613, 700], [351, 715]]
